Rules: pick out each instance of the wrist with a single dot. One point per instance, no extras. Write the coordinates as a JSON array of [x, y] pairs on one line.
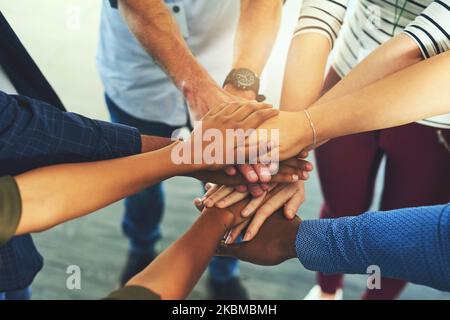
[[291, 238], [197, 84], [152, 143], [305, 136], [220, 217], [319, 123], [245, 94], [177, 164]]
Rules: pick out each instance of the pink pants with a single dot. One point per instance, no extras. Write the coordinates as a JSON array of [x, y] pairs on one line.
[[417, 174]]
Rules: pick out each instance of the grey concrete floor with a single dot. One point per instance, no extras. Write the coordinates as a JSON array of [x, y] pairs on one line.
[[66, 54]]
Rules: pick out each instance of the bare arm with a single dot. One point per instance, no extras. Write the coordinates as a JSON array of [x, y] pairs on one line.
[[48, 193], [305, 70], [258, 27], [175, 271], [317, 29], [157, 31], [396, 54], [56, 194], [414, 93]]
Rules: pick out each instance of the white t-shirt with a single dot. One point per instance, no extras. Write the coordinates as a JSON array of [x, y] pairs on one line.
[[374, 22]]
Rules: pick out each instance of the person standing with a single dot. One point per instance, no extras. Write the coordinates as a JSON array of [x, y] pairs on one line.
[[161, 62], [410, 31]]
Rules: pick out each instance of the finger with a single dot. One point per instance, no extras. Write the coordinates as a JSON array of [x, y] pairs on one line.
[[253, 205], [246, 110], [304, 154], [199, 204], [230, 108], [214, 110], [285, 178], [255, 190], [232, 198], [241, 188], [229, 250], [264, 186], [217, 196], [230, 170], [247, 171], [293, 204], [274, 167], [212, 188], [257, 118], [305, 175], [272, 205], [263, 172], [296, 163], [236, 232]]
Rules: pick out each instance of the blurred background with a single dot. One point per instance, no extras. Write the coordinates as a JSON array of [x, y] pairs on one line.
[[65, 51]]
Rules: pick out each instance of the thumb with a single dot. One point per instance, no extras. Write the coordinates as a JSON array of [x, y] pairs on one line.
[[229, 250]]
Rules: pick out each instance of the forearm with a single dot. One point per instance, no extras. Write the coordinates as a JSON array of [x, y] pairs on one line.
[[415, 93], [153, 143], [257, 30], [410, 244], [396, 54], [305, 69], [174, 273], [157, 31], [55, 194]]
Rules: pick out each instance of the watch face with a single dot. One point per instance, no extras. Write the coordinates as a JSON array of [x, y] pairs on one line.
[[245, 79]]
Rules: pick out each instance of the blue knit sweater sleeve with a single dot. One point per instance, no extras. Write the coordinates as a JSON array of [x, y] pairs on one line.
[[412, 244]]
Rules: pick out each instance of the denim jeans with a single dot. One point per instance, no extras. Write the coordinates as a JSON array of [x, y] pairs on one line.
[[144, 210], [23, 294]]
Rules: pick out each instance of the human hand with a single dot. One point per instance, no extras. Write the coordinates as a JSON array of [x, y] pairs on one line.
[[258, 175], [205, 96], [225, 196], [289, 196], [214, 128], [249, 95], [290, 171], [295, 133], [274, 243]]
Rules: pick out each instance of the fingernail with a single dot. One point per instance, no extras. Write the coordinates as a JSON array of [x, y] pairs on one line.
[[245, 213], [209, 203], [197, 201], [295, 177], [290, 212], [273, 167], [309, 166], [253, 176], [305, 175], [220, 204], [265, 172], [247, 236]]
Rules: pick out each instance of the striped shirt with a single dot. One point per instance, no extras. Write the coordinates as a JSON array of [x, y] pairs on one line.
[[374, 22]]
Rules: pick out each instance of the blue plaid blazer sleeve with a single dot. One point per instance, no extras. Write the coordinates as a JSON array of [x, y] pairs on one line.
[[35, 134]]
